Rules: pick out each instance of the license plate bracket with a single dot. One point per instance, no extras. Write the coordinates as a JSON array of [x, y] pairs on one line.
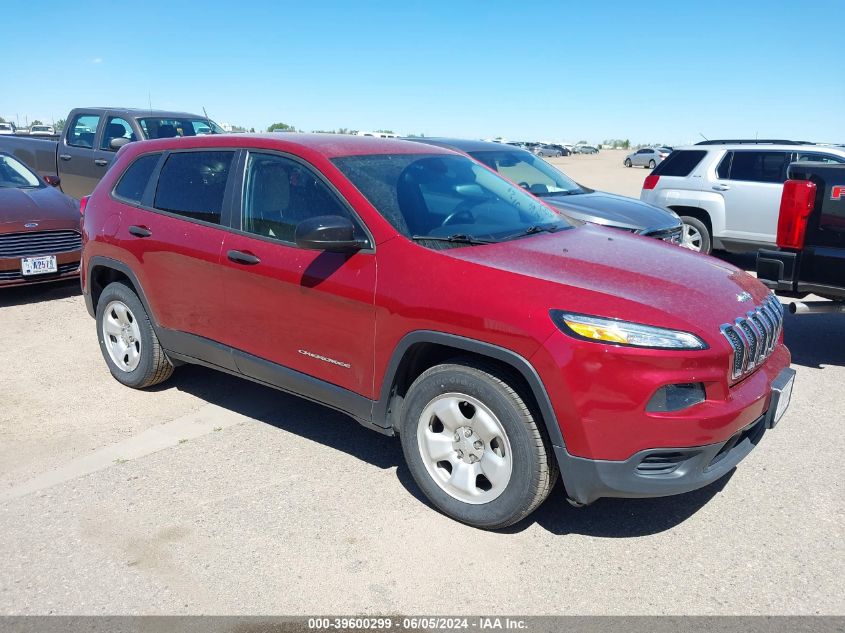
[[781, 396]]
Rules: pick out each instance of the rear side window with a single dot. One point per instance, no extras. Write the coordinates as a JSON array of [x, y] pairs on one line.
[[759, 166], [134, 180], [680, 163], [819, 158], [191, 184]]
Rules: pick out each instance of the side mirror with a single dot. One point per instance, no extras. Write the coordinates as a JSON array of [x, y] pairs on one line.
[[117, 143], [53, 181], [332, 233]]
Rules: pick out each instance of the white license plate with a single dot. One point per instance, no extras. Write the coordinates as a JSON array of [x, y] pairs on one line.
[[784, 396], [39, 265]]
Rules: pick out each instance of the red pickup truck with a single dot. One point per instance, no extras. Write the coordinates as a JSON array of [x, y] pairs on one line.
[[426, 296]]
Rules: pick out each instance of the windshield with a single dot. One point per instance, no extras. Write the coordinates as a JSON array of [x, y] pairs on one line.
[[155, 127], [529, 172], [446, 196], [15, 174]]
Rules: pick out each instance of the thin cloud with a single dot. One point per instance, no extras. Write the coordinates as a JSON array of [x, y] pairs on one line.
[[97, 60]]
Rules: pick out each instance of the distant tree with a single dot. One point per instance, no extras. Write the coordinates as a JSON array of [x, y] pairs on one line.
[[2, 120], [36, 122], [252, 130], [626, 144], [342, 130], [281, 127], [59, 125], [582, 142]]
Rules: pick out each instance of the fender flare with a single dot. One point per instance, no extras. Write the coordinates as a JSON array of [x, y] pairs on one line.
[[114, 264]]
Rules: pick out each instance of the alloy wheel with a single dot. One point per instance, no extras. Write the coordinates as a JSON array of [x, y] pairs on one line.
[[122, 336], [691, 238]]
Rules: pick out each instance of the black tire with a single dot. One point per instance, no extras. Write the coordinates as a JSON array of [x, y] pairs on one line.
[[698, 225], [153, 366], [628, 162], [534, 468], [652, 164]]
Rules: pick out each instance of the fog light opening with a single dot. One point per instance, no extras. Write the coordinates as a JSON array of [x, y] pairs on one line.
[[676, 397]]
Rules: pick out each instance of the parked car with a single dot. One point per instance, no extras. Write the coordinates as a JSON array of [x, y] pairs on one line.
[[502, 344], [8, 128], [728, 192], [547, 150], [586, 149], [39, 228], [91, 138], [810, 238], [42, 130], [577, 202], [649, 157]]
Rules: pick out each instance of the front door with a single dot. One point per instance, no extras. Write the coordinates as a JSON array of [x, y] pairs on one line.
[[75, 156], [306, 310]]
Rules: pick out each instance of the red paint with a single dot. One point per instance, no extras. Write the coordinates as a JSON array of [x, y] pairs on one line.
[[355, 309], [837, 192]]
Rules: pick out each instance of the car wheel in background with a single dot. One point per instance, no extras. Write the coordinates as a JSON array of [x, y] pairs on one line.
[[473, 445], [695, 235], [627, 162], [652, 164], [129, 345]]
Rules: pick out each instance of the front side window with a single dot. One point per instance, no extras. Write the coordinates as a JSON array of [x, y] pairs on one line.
[[280, 193], [154, 127], [14, 174], [529, 172], [82, 130], [116, 128], [766, 166], [444, 196], [134, 180], [192, 184]]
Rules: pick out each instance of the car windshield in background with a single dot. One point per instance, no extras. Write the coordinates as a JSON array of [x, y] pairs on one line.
[[14, 174], [447, 198], [168, 128], [529, 172]]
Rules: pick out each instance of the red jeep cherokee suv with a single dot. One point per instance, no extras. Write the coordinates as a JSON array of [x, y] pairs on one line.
[[426, 296]]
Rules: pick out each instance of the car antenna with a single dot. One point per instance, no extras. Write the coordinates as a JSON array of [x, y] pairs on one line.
[[704, 137]]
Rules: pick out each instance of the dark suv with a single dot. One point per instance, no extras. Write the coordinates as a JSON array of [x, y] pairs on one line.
[[422, 294]]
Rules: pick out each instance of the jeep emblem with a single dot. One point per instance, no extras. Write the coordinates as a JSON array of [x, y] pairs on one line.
[[743, 297]]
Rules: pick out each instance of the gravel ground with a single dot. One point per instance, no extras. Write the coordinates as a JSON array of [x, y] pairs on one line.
[[210, 494]]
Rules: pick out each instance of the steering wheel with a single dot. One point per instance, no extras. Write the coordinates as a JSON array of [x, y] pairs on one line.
[[524, 185], [459, 214]]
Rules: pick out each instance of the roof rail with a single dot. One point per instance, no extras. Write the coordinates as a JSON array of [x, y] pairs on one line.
[[754, 141]]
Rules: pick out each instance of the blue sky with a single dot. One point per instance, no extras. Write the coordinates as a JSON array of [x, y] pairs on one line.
[[657, 71]]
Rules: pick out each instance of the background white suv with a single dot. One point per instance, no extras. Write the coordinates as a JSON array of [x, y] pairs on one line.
[[728, 192]]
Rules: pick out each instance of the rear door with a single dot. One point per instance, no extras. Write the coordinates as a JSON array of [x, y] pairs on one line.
[[175, 236], [307, 310], [75, 157], [751, 189]]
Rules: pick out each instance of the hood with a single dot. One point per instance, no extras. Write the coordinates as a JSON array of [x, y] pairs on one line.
[[617, 211], [608, 273], [46, 204]]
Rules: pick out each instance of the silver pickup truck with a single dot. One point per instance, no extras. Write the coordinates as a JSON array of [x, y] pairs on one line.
[[81, 155]]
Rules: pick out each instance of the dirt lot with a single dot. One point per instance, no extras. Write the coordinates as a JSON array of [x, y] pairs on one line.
[[210, 494]]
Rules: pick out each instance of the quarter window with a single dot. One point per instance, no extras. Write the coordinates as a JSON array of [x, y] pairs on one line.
[[759, 166], [819, 158], [134, 180], [680, 163], [280, 193], [724, 168], [192, 184], [82, 130]]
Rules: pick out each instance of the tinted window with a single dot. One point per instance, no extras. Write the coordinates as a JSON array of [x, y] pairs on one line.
[[759, 166], [444, 195], [115, 128], [192, 184], [820, 158], [134, 180], [531, 173], [168, 128], [724, 168], [280, 193], [82, 130], [680, 163]]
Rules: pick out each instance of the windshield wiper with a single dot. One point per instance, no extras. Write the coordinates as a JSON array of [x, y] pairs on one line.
[[537, 228], [458, 238]]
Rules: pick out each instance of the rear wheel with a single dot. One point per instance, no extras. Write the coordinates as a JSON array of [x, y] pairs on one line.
[[652, 164], [128, 342], [627, 162], [695, 235], [474, 447]]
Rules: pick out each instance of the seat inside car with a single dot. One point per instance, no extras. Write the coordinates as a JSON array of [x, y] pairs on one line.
[[269, 203]]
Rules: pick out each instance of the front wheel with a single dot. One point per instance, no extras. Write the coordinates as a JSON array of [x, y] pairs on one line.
[[695, 235], [128, 342], [473, 446], [627, 162], [652, 164]]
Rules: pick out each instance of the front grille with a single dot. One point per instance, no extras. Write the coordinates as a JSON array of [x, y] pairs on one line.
[[673, 235], [16, 275], [39, 243], [753, 337]]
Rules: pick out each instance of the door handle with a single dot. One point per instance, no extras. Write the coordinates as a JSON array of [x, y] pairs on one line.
[[65, 156], [140, 231], [720, 187], [242, 257], [102, 162]]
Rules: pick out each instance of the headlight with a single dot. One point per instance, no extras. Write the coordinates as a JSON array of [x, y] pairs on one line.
[[618, 332]]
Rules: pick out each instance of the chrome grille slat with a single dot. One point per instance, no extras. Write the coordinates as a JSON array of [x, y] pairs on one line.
[[754, 336], [39, 243]]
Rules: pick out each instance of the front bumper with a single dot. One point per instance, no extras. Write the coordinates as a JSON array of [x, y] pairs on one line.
[[668, 471]]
